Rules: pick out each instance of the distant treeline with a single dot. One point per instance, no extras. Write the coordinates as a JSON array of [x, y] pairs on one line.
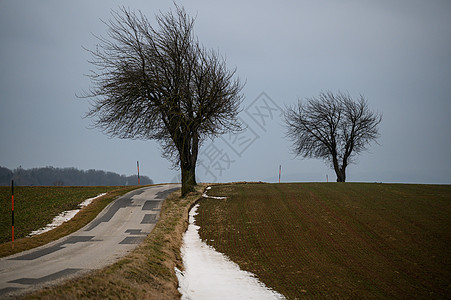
[[50, 176]]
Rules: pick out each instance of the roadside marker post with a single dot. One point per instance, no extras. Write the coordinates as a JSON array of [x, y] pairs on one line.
[[12, 210], [280, 171], [137, 165]]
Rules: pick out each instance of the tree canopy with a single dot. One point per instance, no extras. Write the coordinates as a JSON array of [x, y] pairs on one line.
[[159, 82], [332, 127]]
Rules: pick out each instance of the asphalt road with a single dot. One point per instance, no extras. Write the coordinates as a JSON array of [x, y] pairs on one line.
[[117, 230]]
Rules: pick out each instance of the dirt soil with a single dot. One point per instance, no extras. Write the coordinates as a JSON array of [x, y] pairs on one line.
[[334, 240]]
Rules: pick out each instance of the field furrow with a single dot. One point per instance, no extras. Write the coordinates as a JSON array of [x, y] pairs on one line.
[[335, 240]]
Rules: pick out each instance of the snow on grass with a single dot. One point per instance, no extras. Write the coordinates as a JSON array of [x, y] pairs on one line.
[[64, 216], [212, 197], [211, 275]]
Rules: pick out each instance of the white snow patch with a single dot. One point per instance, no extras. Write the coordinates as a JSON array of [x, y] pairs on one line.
[[211, 275], [212, 197], [64, 216]]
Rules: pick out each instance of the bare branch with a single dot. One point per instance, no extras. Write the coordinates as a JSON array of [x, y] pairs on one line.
[[158, 82], [332, 127]]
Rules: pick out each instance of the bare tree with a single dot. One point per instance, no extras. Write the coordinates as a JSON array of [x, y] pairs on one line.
[[159, 82], [332, 127]]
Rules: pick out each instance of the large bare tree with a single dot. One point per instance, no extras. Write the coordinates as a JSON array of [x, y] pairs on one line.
[[332, 127], [158, 82]]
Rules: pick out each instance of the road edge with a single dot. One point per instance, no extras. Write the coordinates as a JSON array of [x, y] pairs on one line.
[[148, 272], [81, 219]]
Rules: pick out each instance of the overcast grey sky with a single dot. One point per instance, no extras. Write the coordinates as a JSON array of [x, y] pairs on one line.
[[396, 53]]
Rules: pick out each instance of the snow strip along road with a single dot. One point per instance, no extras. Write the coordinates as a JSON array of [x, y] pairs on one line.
[[212, 275], [64, 216], [116, 231]]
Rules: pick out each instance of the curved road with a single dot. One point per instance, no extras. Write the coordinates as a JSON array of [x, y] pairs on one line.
[[117, 230]]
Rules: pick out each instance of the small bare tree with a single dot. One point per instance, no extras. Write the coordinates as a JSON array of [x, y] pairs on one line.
[[160, 83], [332, 127]]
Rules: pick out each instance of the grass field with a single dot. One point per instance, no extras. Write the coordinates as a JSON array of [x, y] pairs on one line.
[[34, 207], [350, 240]]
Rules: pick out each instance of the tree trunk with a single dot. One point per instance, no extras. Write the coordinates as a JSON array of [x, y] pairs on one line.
[[188, 179], [341, 174], [188, 150], [340, 171]]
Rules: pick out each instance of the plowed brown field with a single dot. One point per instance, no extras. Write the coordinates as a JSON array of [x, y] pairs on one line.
[[351, 240]]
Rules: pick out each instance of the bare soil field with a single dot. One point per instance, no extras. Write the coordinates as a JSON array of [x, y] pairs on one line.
[[323, 240]]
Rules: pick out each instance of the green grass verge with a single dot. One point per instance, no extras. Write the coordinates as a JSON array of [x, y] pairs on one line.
[[351, 240], [148, 272], [35, 207]]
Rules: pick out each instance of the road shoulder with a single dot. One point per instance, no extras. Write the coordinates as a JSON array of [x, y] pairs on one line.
[[146, 273]]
